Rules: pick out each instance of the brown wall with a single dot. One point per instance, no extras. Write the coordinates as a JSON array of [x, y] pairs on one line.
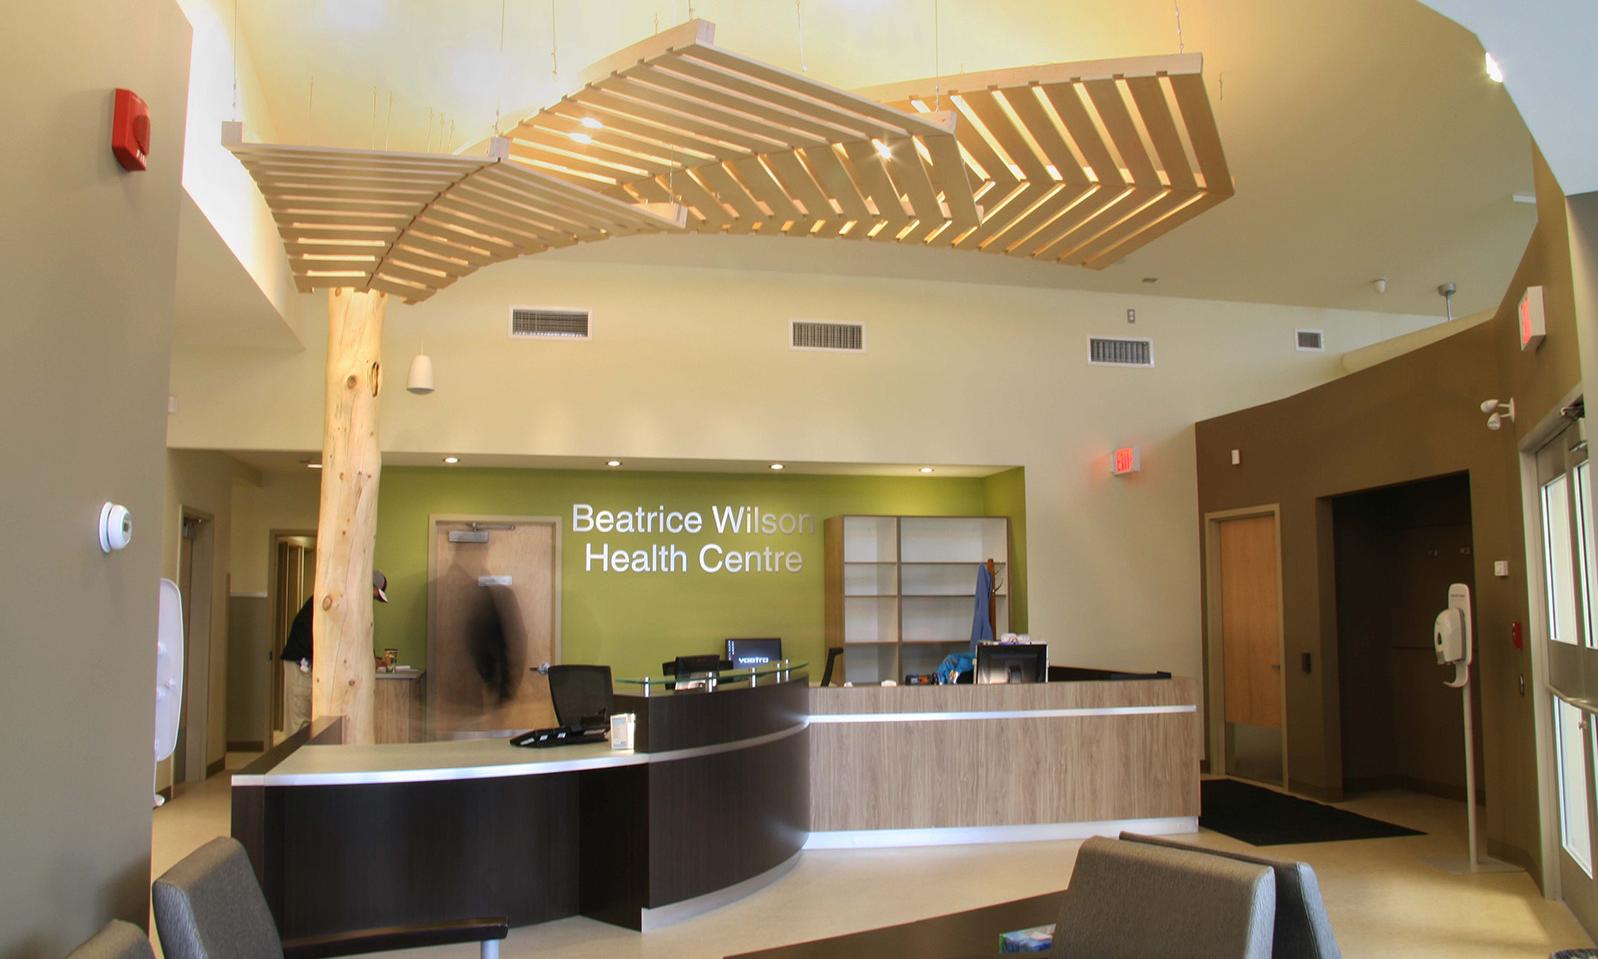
[[1412, 418]]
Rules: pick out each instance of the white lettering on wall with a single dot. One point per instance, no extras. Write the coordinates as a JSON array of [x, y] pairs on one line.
[[631, 557]]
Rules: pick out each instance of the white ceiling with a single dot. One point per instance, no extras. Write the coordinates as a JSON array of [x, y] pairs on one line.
[[291, 462], [1363, 136]]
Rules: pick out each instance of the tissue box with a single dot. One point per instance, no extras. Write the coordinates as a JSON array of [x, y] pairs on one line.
[[1036, 939]]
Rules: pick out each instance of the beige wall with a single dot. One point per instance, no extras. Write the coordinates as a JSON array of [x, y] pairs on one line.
[[203, 482], [277, 502], [695, 364], [88, 279]]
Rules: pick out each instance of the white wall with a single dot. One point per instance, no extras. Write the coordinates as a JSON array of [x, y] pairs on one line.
[[90, 256], [695, 364], [213, 177]]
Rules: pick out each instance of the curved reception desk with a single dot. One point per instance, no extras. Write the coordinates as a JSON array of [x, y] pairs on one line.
[[712, 801]]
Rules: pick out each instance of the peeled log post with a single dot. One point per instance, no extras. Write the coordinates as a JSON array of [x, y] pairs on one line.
[[342, 673]]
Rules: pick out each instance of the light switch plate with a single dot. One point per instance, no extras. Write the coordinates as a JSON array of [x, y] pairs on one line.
[[1500, 567], [1237, 457], [493, 580]]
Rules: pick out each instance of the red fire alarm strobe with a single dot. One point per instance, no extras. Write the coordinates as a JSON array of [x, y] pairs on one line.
[[130, 131]]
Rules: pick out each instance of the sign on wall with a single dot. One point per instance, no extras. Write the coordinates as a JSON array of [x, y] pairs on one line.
[[668, 556]]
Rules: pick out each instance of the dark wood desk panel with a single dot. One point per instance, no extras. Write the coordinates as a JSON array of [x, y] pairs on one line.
[[668, 720]]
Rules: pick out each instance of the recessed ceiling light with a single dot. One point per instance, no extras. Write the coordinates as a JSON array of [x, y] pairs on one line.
[[613, 463], [1495, 72], [591, 123], [1151, 279], [928, 469], [776, 466], [581, 137], [452, 460]]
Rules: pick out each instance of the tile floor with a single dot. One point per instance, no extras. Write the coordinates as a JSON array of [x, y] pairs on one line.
[[1383, 897]]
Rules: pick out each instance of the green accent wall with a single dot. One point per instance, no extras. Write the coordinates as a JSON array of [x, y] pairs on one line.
[[634, 621], [1004, 494]]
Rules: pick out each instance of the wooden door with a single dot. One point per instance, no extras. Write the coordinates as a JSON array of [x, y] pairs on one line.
[[492, 619], [1251, 622]]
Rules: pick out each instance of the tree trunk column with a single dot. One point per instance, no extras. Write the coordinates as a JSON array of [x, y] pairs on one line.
[[343, 677]]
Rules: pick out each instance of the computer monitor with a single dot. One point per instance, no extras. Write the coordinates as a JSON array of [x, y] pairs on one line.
[[1001, 663], [700, 664], [749, 653]]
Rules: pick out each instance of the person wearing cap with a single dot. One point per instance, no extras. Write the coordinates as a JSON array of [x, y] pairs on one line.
[[298, 650]]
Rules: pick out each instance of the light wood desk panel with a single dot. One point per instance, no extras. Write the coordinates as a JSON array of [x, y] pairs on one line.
[[1003, 756]]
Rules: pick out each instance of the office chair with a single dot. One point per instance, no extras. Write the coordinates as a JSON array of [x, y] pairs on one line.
[[209, 906], [118, 940], [581, 695]]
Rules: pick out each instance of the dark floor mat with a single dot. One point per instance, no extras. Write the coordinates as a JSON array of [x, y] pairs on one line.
[[1264, 817]]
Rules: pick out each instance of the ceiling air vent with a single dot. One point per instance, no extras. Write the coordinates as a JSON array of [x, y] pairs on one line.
[[1311, 340], [1120, 351], [847, 337], [527, 321]]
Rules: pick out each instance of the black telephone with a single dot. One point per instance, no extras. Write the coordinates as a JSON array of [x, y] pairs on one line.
[[559, 736]]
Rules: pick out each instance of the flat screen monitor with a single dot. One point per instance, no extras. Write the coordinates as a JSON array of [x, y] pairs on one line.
[[749, 653], [1002, 663], [698, 665]]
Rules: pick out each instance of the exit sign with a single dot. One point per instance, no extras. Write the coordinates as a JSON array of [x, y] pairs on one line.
[[1533, 324], [1125, 460]]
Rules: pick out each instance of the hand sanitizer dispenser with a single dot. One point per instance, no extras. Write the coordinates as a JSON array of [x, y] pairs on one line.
[[1451, 635]]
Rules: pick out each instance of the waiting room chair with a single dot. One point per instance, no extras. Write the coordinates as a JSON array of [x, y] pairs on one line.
[[209, 906], [118, 940], [1130, 901], [1302, 927]]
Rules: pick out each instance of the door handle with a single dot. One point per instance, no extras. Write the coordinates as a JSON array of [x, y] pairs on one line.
[[1276, 666]]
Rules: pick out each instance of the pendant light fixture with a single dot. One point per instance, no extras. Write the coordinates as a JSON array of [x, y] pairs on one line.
[[420, 380]]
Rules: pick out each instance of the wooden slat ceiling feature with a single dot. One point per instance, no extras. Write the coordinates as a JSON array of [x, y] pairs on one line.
[[1081, 163], [411, 224]]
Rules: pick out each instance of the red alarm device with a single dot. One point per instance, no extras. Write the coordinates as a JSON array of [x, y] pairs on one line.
[[130, 131]]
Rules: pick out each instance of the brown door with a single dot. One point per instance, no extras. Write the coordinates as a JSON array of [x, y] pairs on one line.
[[492, 613], [1251, 647]]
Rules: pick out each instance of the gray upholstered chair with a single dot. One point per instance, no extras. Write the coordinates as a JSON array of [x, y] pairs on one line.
[[1302, 927], [209, 906], [1133, 901], [118, 940]]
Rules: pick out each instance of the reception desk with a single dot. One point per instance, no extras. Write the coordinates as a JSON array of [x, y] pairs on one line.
[[713, 799], [905, 765]]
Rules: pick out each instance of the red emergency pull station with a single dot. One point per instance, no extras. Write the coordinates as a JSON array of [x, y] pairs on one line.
[[1515, 636], [130, 131]]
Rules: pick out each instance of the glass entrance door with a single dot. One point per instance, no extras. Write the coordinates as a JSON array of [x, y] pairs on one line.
[[1570, 579]]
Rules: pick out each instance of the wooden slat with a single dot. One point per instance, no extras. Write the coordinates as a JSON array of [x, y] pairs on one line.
[[619, 129], [1021, 230], [993, 165], [701, 109], [759, 181], [537, 138], [1156, 113], [852, 123], [1172, 64], [1029, 111], [1068, 106], [731, 192], [987, 109], [869, 172], [1106, 97], [810, 128], [1163, 204], [1097, 200], [799, 184], [894, 122], [1063, 248], [1154, 231], [949, 169], [829, 171], [910, 176], [701, 200], [708, 134], [521, 219], [998, 218], [1194, 103]]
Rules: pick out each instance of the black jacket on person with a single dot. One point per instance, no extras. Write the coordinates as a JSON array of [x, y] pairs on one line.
[[298, 646]]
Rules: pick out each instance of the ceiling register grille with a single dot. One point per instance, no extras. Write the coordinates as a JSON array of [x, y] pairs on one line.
[[548, 324], [1109, 351], [1310, 340], [847, 337]]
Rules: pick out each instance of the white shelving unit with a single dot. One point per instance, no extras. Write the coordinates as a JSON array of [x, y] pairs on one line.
[[901, 590]]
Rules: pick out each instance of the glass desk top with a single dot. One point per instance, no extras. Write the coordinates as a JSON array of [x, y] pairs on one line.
[[775, 672]]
